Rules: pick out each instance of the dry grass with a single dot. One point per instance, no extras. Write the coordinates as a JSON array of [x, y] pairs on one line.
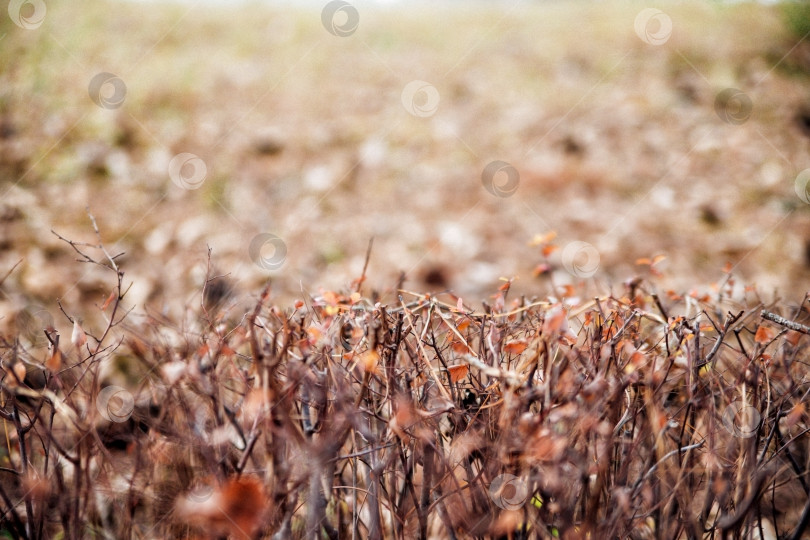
[[304, 135]]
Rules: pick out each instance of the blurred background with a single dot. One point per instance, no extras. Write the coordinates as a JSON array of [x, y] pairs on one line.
[[550, 142]]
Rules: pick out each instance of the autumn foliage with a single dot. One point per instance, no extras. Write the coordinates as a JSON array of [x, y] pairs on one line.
[[629, 414]]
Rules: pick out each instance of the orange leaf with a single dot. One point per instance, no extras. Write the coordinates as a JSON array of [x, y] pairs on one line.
[[54, 363], [370, 361], [556, 320], [515, 347], [540, 239], [458, 372], [108, 301], [549, 249], [235, 509], [568, 291], [764, 335], [330, 298], [460, 347], [643, 260], [19, 372], [463, 325]]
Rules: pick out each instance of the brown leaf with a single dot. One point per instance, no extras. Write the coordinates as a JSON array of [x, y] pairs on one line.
[[235, 508], [549, 249], [764, 335], [17, 375], [108, 301], [54, 362], [556, 320], [370, 361], [515, 347], [458, 372]]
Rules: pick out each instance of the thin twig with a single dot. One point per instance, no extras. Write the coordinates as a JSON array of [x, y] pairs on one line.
[[792, 325]]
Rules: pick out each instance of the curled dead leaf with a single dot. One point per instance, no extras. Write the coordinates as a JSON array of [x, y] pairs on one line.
[[458, 372], [764, 334], [78, 338]]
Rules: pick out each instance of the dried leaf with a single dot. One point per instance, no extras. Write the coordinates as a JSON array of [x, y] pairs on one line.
[[331, 298], [516, 347], [370, 361], [458, 372], [460, 347], [78, 338], [108, 301], [234, 509], [568, 291], [54, 362], [19, 373], [556, 320], [540, 239], [764, 334], [675, 297]]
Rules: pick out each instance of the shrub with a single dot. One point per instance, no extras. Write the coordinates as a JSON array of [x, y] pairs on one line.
[[625, 416]]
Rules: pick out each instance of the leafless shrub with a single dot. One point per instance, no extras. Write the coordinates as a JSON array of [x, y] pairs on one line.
[[343, 418]]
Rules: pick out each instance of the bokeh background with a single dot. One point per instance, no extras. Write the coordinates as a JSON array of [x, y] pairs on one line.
[[285, 137]]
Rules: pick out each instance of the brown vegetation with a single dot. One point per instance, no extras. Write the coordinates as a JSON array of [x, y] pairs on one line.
[[628, 415]]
